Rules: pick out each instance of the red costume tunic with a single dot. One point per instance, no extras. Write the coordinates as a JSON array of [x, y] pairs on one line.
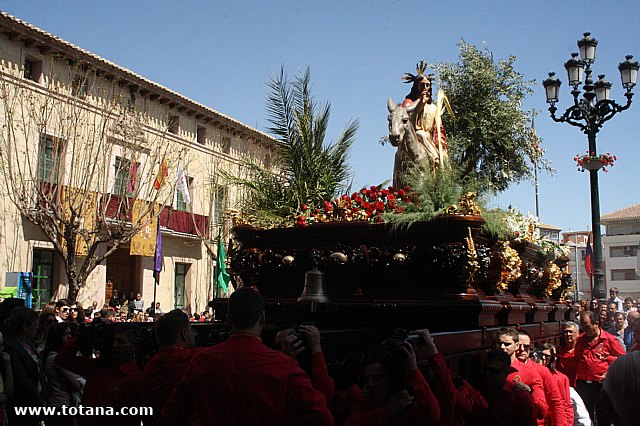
[[567, 364], [562, 383], [320, 376], [594, 358], [555, 415], [525, 373], [242, 382], [161, 375], [117, 387], [423, 410], [507, 407]]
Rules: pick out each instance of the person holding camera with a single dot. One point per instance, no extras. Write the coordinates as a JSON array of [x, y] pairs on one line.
[[395, 391], [113, 380], [303, 344], [243, 382]]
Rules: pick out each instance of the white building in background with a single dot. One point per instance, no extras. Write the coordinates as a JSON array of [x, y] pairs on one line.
[[577, 242], [621, 250]]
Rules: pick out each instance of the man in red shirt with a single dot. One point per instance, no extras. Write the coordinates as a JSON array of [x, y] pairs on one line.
[[566, 355], [595, 351], [162, 373], [113, 383], [555, 415], [507, 404], [522, 374], [243, 382]]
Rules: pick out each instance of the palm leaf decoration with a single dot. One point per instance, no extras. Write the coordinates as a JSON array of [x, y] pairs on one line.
[[308, 170]]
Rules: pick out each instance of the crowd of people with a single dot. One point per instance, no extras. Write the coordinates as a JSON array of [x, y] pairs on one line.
[[48, 359]]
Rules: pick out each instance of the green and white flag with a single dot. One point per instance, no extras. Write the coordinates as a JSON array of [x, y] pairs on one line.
[[222, 277]]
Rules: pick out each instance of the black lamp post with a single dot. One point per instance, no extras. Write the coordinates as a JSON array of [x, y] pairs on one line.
[[589, 113]]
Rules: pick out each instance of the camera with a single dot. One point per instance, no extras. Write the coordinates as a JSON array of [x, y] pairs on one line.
[[300, 335], [393, 345]]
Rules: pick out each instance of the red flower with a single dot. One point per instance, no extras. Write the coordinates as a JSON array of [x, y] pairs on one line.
[[401, 193], [304, 207], [379, 206]]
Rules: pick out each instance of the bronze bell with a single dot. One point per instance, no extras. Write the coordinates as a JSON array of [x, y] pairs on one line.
[[313, 288]]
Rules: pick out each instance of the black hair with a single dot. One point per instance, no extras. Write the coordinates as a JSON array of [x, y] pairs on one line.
[[20, 316], [499, 356], [245, 308], [54, 338], [169, 326]]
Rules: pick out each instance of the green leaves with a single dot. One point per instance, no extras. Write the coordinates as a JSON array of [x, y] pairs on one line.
[[490, 137], [308, 170]]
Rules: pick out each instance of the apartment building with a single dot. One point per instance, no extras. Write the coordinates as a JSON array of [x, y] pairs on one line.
[[620, 241], [76, 123]]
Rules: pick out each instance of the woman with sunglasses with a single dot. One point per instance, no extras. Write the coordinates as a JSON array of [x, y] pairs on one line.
[[76, 314], [575, 410]]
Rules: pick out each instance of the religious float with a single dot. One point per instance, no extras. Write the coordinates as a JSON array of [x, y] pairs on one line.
[[361, 278]]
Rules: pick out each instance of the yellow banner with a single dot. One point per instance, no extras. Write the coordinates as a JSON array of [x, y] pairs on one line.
[[87, 205], [144, 242]]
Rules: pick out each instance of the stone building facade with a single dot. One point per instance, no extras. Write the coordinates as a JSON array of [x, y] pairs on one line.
[[208, 141]]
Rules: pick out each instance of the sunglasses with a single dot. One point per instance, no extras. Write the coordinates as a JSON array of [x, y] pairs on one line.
[[74, 309], [492, 371], [525, 347], [65, 309]]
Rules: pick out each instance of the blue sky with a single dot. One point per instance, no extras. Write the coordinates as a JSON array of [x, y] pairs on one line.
[[222, 53]]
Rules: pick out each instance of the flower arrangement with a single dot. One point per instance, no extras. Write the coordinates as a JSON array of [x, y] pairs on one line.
[[555, 279], [524, 228], [591, 161], [510, 263], [368, 204]]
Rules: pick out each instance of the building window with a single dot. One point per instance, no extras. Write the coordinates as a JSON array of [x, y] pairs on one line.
[[623, 251], [42, 277], [32, 69], [181, 271], [181, 204], [201, 134], [623, 275], [219, 205], [174, 124], [126, 179], [80, 86], [49, 159], [226, 144]]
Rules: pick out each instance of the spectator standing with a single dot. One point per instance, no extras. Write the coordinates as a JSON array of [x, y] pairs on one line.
[[628, 305], [595, 351], [114, 302], [161, 374], [76, 314], [242, 382], [62, 310], [138, 304], [28, 374], [61, 383], [6, 380], [628, 331], [617, 329], [46, 320], [613, 298], [595, 306], [621, 389]]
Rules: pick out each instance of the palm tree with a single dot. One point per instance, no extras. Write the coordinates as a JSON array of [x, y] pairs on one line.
[[308, 170]]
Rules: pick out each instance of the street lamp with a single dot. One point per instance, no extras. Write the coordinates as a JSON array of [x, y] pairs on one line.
[[589, 114]]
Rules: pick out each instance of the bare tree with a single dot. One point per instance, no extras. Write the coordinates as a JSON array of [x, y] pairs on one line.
[[79, 159]]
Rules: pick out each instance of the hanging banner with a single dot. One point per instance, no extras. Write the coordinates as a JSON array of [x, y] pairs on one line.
[[144, 242], [87, 204]]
